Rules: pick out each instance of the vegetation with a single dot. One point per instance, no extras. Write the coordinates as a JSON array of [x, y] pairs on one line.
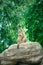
[[34, 22], [27, 12]]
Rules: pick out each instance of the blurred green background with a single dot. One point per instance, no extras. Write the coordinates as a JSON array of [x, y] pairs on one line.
[[27, 12]]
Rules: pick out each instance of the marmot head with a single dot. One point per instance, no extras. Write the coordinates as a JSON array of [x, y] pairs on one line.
[[19, 26]]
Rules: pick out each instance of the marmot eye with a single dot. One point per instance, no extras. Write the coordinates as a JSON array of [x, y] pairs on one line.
[[19, 25]]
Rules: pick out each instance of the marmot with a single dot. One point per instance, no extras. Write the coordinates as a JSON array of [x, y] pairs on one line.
[[21, 36]]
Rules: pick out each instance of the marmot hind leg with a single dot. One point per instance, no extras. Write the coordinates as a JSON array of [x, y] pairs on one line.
[[17, 46]]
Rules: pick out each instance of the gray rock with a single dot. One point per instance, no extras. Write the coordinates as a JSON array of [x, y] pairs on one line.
[[29, 53]]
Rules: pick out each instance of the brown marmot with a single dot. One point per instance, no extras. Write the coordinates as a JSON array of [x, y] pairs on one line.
[[21, 36]]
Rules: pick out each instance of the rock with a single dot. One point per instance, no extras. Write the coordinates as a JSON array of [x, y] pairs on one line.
[[42, 56], [28, 53]]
